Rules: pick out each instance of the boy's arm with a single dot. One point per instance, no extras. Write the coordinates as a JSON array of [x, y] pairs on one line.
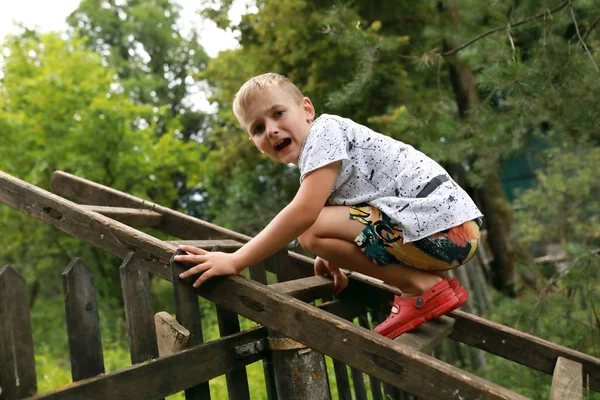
[[290, 223]]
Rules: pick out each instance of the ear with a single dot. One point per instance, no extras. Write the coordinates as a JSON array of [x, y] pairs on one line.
[[309, 110], [252, 140]]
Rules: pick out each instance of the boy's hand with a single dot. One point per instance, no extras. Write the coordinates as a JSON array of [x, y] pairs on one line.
[[207, 263], [324, 267]]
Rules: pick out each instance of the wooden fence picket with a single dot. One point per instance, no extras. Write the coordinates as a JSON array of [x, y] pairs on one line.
[[187, 311], [17, 363], [135, 285], [83, 321]]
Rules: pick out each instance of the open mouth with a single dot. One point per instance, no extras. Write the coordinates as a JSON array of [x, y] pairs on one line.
[[283, 144]]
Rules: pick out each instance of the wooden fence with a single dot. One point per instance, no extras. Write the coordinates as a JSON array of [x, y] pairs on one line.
[[285, 310]]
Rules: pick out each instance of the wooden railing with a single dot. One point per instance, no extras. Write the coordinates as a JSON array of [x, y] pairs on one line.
[[282, 309]]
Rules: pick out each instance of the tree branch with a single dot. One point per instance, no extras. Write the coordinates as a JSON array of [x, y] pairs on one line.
[[581, 39], [591, 28], [503, 27]]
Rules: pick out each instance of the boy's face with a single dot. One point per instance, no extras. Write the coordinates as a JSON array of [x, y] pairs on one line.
[[278, 124]]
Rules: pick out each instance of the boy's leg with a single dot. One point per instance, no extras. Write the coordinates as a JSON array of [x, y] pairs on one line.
[[426, 294], [332, 238]]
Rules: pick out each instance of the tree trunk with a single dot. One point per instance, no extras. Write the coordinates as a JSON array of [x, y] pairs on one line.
[[492, 199]]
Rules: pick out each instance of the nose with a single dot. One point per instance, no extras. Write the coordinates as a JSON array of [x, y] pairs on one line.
[[272, 128]]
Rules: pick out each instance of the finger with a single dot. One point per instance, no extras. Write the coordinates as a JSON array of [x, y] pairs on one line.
[[203, 278], [190, 259], [195, 270], [336, 284], [192, 249]]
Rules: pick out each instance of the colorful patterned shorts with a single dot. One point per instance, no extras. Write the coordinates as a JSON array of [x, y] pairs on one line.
[[381, 241]]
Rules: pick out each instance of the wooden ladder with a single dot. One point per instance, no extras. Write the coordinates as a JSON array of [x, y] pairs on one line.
[[103, 218]]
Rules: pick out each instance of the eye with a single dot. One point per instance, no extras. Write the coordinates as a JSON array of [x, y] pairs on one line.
[[279, 113], [260, 128]]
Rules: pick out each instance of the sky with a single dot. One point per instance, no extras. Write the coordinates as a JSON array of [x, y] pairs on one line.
[[50, 15]]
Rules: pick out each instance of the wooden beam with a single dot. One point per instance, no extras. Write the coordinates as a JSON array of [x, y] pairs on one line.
[[172, 222], [128, 216], [375, 355], [306, 289], [567, 380], [520, 347], [95, 229], [165, 376]]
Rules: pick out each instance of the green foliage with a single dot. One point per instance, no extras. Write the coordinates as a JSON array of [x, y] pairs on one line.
[[60, 109], [560, 208], [564, 312]]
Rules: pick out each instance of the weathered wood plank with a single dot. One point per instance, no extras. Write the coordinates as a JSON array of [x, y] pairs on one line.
[[172, 222], [149, 380], [135, 286], [428, 335], [357, 347], [187, 311], [83, 321], [520, 347], [567, 380], [17, 364], [171, 336], [258, 273], [358, 381], [306, 289], [363, 321], [128, 216], [98, 230], [237, 381], [341, 378], [344, 308]]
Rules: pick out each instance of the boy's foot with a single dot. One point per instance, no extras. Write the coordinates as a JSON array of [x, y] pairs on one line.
[[410, 312], [460, 292]]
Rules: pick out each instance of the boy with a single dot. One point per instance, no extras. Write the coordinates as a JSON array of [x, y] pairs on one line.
[[390, 211]]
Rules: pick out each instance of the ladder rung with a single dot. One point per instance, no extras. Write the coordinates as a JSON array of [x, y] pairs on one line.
[[428, 335], [128, 216], [306, 289]]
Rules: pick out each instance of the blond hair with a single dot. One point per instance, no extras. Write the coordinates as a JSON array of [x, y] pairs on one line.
[[260, 84]]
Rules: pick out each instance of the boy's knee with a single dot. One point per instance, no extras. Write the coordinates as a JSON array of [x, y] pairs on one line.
[[308, 240]]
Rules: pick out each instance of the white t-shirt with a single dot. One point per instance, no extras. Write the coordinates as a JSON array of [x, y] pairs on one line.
[[411, 188]]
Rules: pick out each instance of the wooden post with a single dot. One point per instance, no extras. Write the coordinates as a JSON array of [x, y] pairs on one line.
[[83, 322], [237, 381], [259, 274], [363, 321], [341, 378], [171, 336], [17, 363], [300, 372], [187, 311], [135, 284], [567, 380]]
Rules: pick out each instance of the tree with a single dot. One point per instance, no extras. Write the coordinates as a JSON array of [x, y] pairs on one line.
[[385, 65], [62, 109]]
